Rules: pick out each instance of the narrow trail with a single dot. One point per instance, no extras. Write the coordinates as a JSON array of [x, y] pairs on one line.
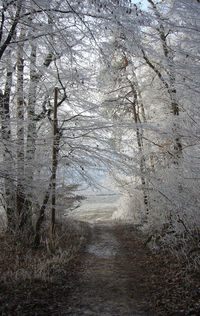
[[113, 274], [103, 284]]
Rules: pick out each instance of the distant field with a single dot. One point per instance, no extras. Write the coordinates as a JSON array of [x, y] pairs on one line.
[[97, 208]]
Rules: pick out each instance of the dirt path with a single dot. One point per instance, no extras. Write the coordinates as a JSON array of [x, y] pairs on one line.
[[113, 275], [103, 285]]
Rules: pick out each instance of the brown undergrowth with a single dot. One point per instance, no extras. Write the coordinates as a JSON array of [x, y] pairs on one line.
[[41, 282], [159, 281], [35, 281]]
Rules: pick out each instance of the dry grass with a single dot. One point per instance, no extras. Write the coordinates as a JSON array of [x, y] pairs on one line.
[[166, 285], [37, 281], [19, 262]]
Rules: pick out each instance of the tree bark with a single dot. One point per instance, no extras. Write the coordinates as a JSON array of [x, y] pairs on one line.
[[23, 207], [140, 145], [54, 162], [11, 32], [171, 89], [52, 182], [9, 189], [41, 215]]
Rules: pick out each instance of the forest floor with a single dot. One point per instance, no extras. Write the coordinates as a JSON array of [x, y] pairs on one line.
[[114, 274]]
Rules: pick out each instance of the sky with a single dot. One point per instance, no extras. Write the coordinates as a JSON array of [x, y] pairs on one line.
[[144, 3]]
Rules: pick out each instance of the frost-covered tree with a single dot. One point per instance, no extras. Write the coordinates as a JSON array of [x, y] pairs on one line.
[[51, 43], [122, 101], [169, 80]]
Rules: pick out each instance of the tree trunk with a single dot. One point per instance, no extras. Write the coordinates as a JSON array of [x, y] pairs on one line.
[[54, 162], [52, 183], [41, 215], [23, 207], [139, 134], [9, 188], [172, 80], [31, 128]]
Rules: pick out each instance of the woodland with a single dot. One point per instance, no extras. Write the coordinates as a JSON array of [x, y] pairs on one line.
[[100, 85]]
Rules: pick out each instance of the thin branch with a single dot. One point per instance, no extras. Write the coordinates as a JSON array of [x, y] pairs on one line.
[[2, 24], [12, 29]]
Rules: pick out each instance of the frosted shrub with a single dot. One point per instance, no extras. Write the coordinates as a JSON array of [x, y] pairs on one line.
[[174, 218], [130, 208]]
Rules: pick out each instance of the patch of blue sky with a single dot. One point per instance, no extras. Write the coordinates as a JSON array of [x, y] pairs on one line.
[[144, 3]]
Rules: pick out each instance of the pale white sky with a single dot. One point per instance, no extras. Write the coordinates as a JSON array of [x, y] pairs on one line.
[[144, 3]]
